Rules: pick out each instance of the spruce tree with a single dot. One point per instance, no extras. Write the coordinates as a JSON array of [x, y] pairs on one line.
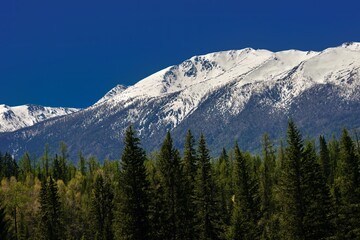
[[102, 209], [189, 167], [208, 225], [224, 181], [325, 159], [173, 186], [132, 198], [269, 221], [246, 212], [292, 198], [51, 224], [5, 230], [347, 187], [305, 196], [318, 207]]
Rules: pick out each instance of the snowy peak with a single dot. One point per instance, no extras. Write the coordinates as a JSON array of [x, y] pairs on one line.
[[113, 92], [243, 72], [355, 46], [14, 118]]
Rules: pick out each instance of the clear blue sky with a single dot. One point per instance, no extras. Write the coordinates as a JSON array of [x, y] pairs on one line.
[[70, 53]]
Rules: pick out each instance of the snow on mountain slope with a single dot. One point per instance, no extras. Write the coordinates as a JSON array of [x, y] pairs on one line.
[[197, 77], [113, 92], [229, 95], [14, 118]]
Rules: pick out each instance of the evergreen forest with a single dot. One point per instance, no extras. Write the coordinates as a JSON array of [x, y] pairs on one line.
[[302, 189]]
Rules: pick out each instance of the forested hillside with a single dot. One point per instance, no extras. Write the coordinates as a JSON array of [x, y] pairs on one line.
[[304, 189]]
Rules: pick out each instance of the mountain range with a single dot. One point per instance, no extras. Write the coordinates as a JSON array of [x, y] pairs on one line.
[[230, 96], [14, 118]]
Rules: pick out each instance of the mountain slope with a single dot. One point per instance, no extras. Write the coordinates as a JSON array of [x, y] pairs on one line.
[[14, 118], [230, 95]]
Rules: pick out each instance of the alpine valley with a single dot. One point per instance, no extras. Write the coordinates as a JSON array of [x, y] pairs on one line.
[[230, 96]]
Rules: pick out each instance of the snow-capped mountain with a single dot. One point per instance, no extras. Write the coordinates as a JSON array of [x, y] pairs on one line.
[[14, 118], [231, 96]]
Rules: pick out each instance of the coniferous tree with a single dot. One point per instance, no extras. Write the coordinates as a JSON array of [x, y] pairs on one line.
[[173, 186], [325, 159], [305, 196], [224, 181], [189, 166], [292, 199], [132, 199], [334, 155], [64, 173], [347, 188], [208, 222], [318, 208], [102, 209], [269, 221], [246, 212], [51, 225], [5, 231], [45, 163], [189, 159], [57, 171]]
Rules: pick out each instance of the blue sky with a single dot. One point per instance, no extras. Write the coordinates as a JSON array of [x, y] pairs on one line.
[[70, 53]]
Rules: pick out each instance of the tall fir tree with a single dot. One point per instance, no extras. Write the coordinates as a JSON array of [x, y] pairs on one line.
[[102, 209], [246, 212], [5, 230], [173, 184], [51, 224], [132, 198], [292, 198], [189, 167], [347, 187], [318, 207], [224, 184], [305, 196], [269, 222], [208, 225], [325, 159]]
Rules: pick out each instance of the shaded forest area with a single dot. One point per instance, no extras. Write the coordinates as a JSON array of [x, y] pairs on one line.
[[304, 189]]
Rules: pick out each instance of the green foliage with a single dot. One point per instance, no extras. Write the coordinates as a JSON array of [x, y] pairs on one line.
[[246, 213], [132, 199], [51, 224], [295, 193], [208, 225], [102, 209], [347, 189], [172, 186], [5, 231]]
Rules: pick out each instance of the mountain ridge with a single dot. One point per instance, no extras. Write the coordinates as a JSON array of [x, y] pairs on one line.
[[17, 117], [213, 93]]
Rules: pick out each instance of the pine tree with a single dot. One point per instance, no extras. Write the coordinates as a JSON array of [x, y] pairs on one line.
[[334, 155], [189, 159], [5, 231], [325, 159], [246, 213], [189, 167], [102, 209], [318, 217], [208, 225], [224, 181], [269, 221], [347, 187], [290, 186], [51, 225], [63, 163], [305, 196], [132, 199], [173, 186], [45, 163]]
